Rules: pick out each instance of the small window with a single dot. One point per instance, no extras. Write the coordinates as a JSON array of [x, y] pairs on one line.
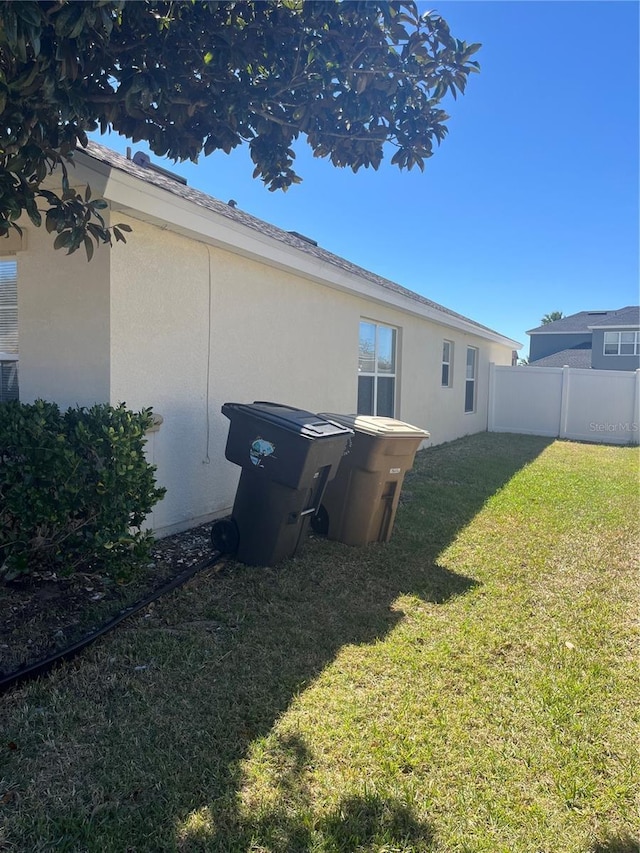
[[377, 369], [8, 331], [622, 343], [447, 364], [470, 383]]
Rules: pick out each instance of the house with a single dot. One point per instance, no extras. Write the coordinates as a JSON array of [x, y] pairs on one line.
[[206, 304], [604, 340]]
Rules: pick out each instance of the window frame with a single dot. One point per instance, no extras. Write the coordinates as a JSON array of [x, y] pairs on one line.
[[9, 388], [8, 305], [447, 363], [619, 343], [376, 374], [471, 381]]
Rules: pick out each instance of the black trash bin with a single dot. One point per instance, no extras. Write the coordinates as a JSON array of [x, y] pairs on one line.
[[287, 456]]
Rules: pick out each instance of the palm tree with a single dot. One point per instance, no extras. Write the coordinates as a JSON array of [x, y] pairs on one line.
[[552, 317]]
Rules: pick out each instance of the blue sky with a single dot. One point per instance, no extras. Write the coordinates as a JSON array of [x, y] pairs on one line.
[[531, 203]]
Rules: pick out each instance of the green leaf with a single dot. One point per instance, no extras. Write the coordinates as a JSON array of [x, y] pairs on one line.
[[32, 212], [62, 240]]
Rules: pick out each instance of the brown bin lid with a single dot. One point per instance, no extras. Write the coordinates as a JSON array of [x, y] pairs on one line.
[[377, 425]]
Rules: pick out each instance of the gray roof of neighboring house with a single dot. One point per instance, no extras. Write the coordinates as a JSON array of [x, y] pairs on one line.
[[629, 316], [583, 321], [576, 357], [163, 180]]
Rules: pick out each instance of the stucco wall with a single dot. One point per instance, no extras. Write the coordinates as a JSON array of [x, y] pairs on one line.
[[424, 401], [63, 323], [178, 306]]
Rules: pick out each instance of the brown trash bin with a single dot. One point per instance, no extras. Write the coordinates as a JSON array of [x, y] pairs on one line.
[[359, 504]]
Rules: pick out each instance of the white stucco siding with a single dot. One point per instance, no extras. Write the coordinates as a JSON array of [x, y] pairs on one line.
[[178, 305], [279, 337], [264, 333], [453, 421], [159, 308], [63, 323]]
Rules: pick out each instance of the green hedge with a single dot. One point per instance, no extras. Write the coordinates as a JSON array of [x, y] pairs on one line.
[[75, 488]]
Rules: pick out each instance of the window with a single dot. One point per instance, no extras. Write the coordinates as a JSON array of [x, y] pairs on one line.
[[447, 364], [8, 331], [470, 384], [376, 369], [622, 343]]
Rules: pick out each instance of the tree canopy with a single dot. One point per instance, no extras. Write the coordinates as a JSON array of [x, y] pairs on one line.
[[190, 78]]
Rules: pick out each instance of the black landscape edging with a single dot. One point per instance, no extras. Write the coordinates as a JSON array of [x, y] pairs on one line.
[[42, 667]]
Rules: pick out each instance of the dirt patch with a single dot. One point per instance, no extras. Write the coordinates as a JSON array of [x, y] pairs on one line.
[[44, 613]]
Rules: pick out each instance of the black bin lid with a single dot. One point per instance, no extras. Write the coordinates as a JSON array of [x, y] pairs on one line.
[[298, 421]]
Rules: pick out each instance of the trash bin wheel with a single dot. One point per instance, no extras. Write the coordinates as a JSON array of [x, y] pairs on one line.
[[225, 536], [320, 521]]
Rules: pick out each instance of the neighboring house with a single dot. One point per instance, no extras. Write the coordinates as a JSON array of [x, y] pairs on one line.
[[604, 340], [206, 304]]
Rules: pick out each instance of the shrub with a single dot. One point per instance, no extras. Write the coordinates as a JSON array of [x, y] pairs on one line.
[[75, 488]]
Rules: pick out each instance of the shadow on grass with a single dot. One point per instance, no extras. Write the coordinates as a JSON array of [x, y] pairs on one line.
[[367, 822], [359, 822], [174, 703], [626, 844]]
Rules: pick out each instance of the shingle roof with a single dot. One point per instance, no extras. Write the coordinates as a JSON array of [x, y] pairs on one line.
[[576, 357], [584, 320], [117, 161], [629, 316]]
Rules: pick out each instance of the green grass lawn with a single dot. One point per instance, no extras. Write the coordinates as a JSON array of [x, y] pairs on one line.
[[471, 686]]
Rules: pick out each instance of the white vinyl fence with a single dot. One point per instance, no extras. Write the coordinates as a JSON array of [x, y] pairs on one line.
[[566, 402]]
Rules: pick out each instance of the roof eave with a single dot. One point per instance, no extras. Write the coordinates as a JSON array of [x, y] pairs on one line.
[[154, 204], [542, 331]]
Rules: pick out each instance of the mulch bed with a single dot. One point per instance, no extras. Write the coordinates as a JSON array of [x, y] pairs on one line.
[[43, 614]]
